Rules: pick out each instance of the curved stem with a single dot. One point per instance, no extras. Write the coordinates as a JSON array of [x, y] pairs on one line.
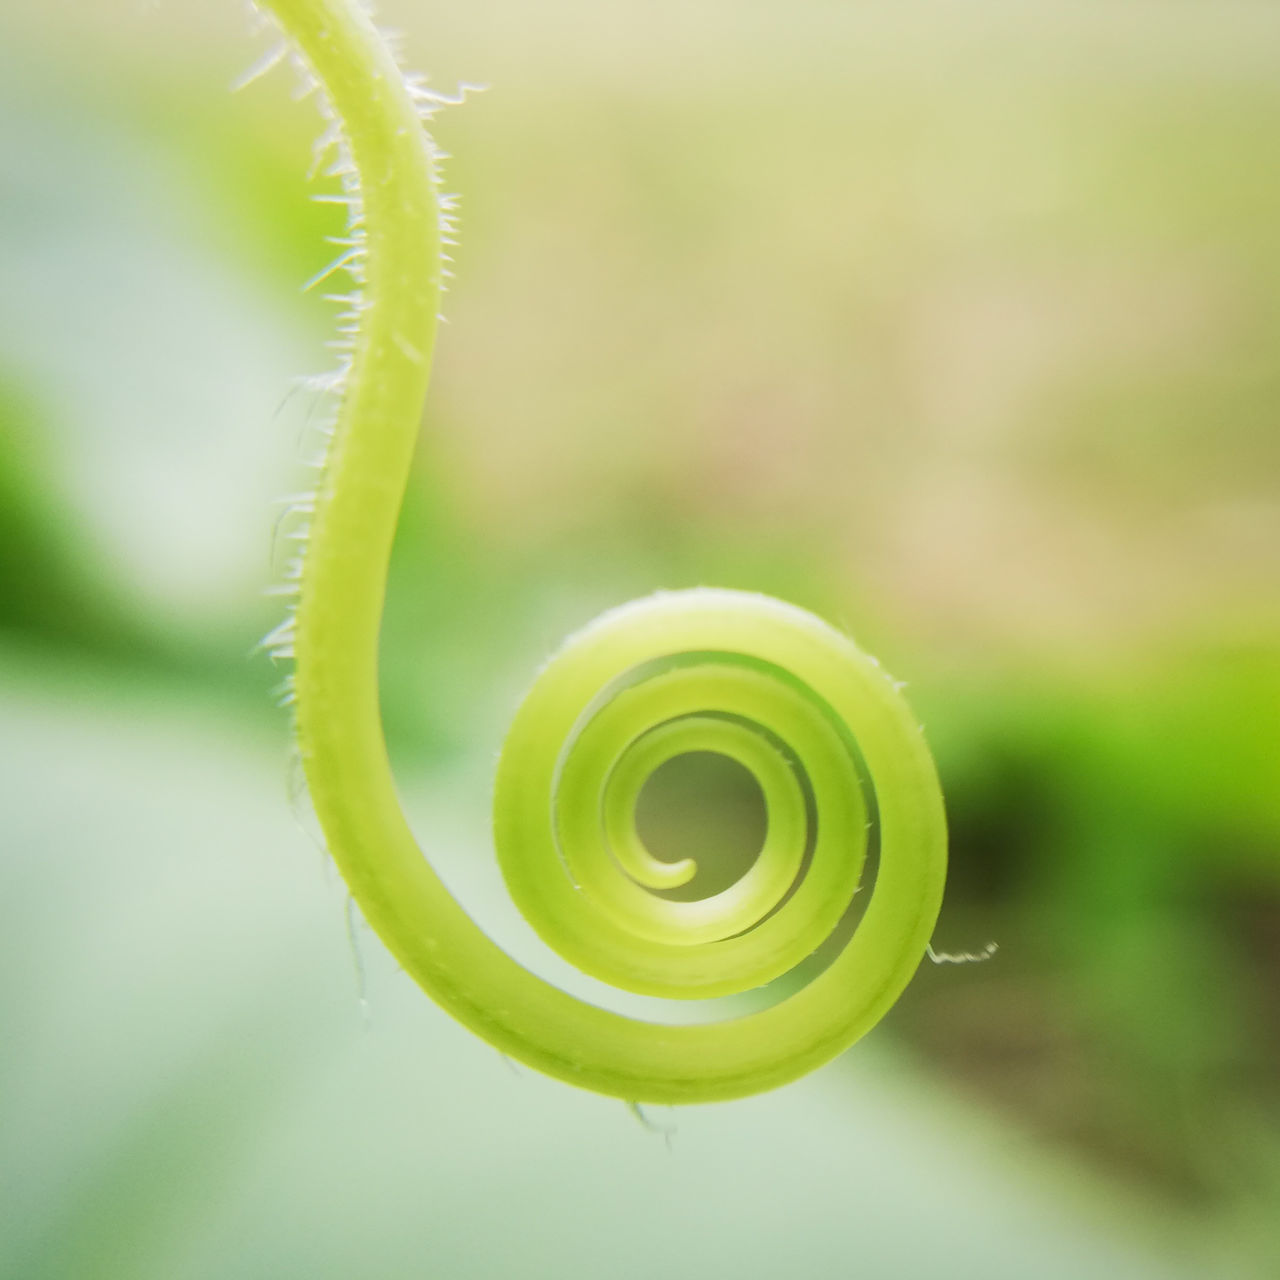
[[335, 642]]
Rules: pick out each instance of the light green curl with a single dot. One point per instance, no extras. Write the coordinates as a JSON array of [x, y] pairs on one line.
[[762, 682]]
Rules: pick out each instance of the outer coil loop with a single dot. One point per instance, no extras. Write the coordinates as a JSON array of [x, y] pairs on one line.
[[703, 670]]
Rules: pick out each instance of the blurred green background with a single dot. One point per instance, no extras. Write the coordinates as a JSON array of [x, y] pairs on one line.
[[957, 323]]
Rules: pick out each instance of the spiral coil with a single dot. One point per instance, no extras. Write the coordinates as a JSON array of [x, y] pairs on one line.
[[826, 734]]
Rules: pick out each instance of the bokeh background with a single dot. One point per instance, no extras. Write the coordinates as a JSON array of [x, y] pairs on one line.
[[957, 323]]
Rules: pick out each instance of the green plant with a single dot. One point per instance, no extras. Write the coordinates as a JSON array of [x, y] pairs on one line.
[[707, 670]]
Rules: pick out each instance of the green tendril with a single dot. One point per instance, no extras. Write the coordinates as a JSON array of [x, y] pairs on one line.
[[825, 732]]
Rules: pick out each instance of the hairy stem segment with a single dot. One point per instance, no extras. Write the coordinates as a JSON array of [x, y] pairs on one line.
[[763, 682]]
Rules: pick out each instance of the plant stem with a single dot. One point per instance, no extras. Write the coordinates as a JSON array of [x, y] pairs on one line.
[[785, 675]]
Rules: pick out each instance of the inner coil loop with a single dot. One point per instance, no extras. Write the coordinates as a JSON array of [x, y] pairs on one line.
[[586, 882]]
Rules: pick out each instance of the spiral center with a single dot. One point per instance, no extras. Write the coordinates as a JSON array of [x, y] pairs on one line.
[[705, 806]]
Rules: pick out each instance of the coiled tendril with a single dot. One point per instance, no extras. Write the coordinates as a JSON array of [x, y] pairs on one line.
[[762, 682]]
